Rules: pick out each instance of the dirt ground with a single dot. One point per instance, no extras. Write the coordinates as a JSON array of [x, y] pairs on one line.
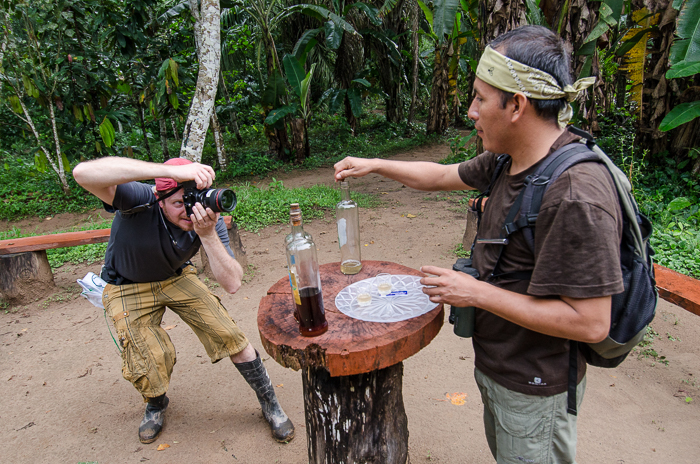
[[64, 400]]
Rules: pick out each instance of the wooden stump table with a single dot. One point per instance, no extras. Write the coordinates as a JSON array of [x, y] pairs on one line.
[[352, 374]]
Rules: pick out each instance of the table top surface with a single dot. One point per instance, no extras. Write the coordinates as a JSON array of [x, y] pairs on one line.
[[350, 346]]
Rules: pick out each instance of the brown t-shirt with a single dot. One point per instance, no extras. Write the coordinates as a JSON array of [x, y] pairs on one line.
[[577, 254]]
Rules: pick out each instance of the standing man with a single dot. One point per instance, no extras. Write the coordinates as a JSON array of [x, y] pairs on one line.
[[523, 327], [147, 267]]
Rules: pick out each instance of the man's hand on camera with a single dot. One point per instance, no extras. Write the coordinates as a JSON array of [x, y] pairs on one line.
[[204, 220], [202, 174], [450, 287]]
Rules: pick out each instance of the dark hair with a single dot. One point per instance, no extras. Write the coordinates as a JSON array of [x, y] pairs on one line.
[[542, 49]]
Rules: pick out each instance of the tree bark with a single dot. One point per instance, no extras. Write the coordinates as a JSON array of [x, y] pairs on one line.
[[207, 32], [218, 141], [175, 136], [298, 139], [164, 139], [414, 75], [356, 418], [139, 108], [438, 114]]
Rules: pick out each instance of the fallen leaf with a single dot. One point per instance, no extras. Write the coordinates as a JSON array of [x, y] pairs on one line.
[[162, 446], [280, 385], [371, 242], [24, 330], [48, 218], [245, 298], [456, 398], [410, 215], [176, 442], [384, 193], [170, 327]]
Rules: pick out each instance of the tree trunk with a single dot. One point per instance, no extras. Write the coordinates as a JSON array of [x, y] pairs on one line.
[[232, 112], [207, 32], [139, 108], [298, 140], [573, 21], [164, 139], [500, 16], [175, 136], [389, 73], [414, 75], [356, 418], [219, 141], [350, 59], [438, 114]]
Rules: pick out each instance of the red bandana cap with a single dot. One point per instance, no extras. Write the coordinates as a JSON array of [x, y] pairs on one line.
[[166, 183]]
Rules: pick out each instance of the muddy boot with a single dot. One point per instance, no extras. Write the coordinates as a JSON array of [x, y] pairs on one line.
[[153, 418], [255, 374]]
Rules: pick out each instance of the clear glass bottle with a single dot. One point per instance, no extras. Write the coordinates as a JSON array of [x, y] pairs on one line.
[[305, 278], [347, 216]]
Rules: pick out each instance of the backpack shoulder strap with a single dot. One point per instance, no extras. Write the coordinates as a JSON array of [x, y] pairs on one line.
[[501, 163], [537, 183]]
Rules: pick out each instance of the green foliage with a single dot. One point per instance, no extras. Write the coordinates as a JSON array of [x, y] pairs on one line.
[[685, 60], [665, 194], [461, 149], [25, 192], [258, 207]]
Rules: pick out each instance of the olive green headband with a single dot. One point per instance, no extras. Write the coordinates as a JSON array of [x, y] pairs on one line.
[[514, 77]]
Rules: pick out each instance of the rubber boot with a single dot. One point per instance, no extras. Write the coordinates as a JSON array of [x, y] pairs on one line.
[[256, 375], [153, 418]]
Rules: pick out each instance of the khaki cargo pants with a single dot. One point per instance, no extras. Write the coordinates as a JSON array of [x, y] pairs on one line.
[[148, 355]]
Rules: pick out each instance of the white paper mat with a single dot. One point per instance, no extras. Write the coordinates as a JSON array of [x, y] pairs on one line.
[[390, 308]]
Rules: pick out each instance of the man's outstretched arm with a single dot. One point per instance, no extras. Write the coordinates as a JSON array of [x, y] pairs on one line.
[[420, 175], [101, 177]]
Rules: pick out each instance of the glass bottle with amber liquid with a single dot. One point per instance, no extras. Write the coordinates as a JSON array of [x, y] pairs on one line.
[[305, 278], [347, 216]]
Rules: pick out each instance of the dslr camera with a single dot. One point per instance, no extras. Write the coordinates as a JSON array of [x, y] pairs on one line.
[[218, 200], [463, 318]]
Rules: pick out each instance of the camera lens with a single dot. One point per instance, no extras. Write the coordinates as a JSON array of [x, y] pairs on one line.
[[219, 200], [227, 199]]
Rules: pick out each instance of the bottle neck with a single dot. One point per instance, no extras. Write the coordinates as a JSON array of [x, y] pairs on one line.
[[344, 193], [297, 228]]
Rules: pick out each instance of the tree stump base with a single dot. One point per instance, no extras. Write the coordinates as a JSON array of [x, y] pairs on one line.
[[25, 277], [356, 418]]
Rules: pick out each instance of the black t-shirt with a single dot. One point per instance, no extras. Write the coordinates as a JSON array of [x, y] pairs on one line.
[[145, 246], [577, 240]]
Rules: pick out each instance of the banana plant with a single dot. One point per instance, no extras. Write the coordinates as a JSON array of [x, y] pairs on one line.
[[684, 60], [300, 83]]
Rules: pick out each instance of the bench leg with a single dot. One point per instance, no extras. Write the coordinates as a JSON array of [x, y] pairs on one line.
[[25, 277], [355, 418]]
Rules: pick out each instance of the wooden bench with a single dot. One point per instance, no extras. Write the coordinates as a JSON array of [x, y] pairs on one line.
[[25, 273]]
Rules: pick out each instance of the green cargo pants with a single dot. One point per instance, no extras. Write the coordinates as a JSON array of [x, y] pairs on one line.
[[526, 428]]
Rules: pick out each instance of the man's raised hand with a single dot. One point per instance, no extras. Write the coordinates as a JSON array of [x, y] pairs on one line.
[[202, 174]]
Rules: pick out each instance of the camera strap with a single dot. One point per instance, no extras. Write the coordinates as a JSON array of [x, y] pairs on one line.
[[145, 206]]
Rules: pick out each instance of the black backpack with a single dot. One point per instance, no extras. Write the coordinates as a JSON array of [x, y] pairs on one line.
[[634, 308]]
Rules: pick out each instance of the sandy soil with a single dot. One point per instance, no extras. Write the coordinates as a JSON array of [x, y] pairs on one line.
[[63, 398]]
